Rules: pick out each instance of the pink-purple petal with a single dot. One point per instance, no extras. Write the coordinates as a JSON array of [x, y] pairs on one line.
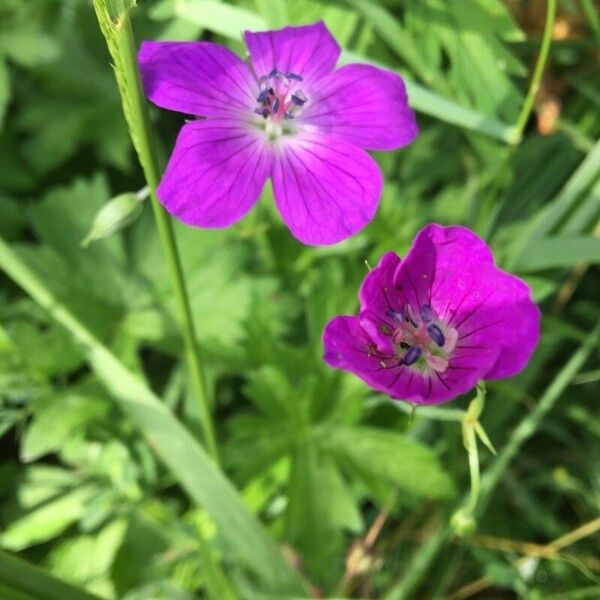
[[325, 188], [364, 105], [216, 172], [309, 51], [376, 292], [446, 305], [471, 294], [198, 78]]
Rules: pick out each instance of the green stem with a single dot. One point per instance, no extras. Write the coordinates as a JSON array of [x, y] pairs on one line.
[[434, 413], [473, 454], [421, 562], [538, 71], [114, 20]]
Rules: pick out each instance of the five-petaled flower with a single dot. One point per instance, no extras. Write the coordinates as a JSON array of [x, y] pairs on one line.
[[291, 116], [434, 324]]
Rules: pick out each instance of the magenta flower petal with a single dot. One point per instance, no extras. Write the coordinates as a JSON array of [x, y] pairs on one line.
[[216, 172], [364, 105], [474, 296], [309, 51], [197, 78], [288, 115], [375, 293], [325, 188], [437, 322]]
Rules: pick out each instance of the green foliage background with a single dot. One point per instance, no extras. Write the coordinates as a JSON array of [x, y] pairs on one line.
[[103, 481]]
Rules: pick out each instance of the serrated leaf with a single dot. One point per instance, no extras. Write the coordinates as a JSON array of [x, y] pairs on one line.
[[46, 522], [84, 559], [56, 418], [320, 508], [391, 457]]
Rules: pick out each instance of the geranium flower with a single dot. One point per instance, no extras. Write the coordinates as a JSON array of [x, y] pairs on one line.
[[434, 324], [289, 115]]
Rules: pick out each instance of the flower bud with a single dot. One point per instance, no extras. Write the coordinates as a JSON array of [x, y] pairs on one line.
[[114, 215]]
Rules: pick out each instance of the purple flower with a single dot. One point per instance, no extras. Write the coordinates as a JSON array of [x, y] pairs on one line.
[[289, 116], [433, 325]]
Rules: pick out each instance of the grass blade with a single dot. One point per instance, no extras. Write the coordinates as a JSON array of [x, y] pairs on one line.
[[19, 579], [180, 452]]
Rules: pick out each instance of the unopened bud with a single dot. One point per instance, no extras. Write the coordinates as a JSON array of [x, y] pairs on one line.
[[115, 215]]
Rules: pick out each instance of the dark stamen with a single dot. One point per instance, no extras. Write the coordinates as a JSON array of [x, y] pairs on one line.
[[298, 98], [263, 112], [276, 105], [412, 356], [404, 345], [263, 97], [436, 334], [409, 315], [293, 76], [274, 72], [426, 313], [390, 312]]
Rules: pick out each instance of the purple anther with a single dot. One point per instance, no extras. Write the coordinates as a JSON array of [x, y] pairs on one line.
[[274, 72], [263, 112], [390, 312], [292, 111], [426, 313], [293, 76], [409, 315], [263, 83], [412, 356], [275, 106], [435, 333], [298, 98], [263, 96]]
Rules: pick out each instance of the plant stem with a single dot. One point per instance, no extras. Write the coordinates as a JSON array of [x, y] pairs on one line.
[[116, 27], [538, 71]]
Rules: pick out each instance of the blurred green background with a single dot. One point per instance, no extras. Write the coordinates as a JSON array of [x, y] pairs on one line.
[[354, 492]]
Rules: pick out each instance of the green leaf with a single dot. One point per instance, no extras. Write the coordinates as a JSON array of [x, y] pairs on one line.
[[559, 251], [226, 19], [28, 47], [181, 453], [46, 522], [391, 32], [4, 90], [582, 178], [274, 12], [29, 582], [391, 457], [320, 508], [87, 558], [56, 419]]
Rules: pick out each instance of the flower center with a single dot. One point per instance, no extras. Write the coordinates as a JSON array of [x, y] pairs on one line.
[[279, 99], [422, 339]]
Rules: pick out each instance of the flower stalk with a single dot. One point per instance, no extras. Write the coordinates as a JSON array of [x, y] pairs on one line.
[[114, 20], [538, 72], [463, 521]]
